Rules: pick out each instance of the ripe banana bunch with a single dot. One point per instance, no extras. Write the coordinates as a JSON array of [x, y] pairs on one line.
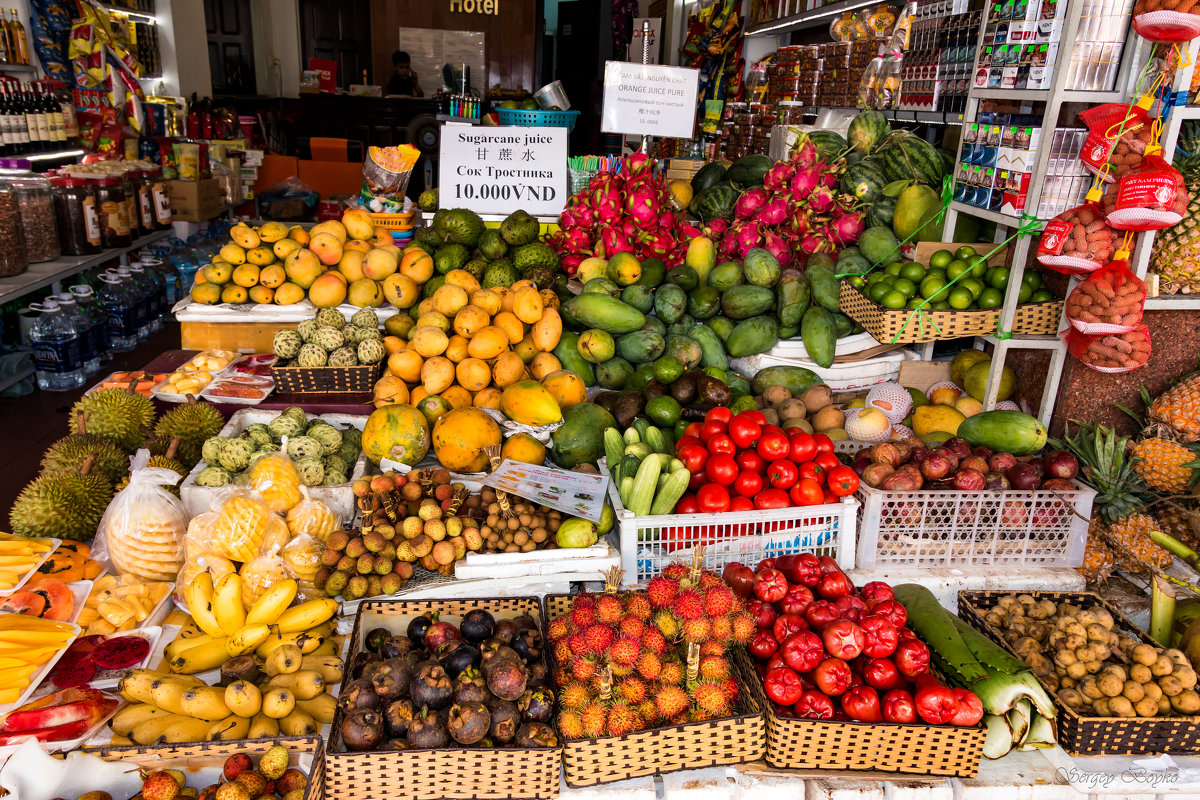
[[229, 630]]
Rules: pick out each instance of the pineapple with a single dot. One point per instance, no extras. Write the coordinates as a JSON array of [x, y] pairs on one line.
[[1176, 253], [1179, 408], [1098, 559], [1180, 521], [1164, 465]]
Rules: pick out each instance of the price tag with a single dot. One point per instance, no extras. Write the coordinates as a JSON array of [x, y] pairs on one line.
[[498, 170], [573, 493], [649, 99]]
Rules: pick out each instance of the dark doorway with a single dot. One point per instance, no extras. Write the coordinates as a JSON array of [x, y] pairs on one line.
[[339, 31], [230, 46], [578, 65]]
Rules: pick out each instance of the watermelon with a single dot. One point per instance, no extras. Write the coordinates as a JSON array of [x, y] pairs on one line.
[[867, 130], [715, 202], [709, 175], [864, 180], [749, 171], [882, 211], [830, 145], [909, 157]]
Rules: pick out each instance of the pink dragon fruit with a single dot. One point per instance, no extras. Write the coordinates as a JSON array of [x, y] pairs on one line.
[[668, 220], [821, 199], [811, 243], [776, 246], [661, 243], [749, 204], [749, 236], [829, 174], [638, 163], [846, 228], [729, 244], [804, 180], [804, 154], [715, 228], [613, 241], [571, 261], [688, 231], [777, 177], [608, 212], [798, 221], [774, 213], [577, 240]]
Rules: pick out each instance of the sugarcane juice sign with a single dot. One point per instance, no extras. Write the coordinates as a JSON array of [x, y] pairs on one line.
[[649, 99], [498, 170]]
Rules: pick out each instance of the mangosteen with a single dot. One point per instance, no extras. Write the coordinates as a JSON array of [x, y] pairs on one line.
[[493, 652], [397, 717], [440, 632], [431, 687], [375, 638], [506, 679], [395, 744], [524, 622], [419, 625], [362, 660], [470, 687], [469, 722], [396, 646], [535, 734], [505, 719], [477, 625], [528, 644], [538, 675], [505, 630], [390, 678], [358, 694], [537, 705], [461, 657], [362, 730], [427, 730]]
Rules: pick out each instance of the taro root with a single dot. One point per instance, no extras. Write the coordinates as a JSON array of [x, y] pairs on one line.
[[528, 645], [477, 625], [390, 678], [506, 679], [431, 687], [417, 628], [398, 717], [537, 705], [375, 638], [470, 687], [469, 722], [362, 730], [427, 730], [536, 734], [459, 658], [505, 719], [396, 646], [505, 630], [358, 694]]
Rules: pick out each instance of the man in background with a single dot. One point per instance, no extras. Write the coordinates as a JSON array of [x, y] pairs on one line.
[[404, 80]]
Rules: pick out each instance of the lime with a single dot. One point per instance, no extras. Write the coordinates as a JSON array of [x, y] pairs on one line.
[[997, 278], [904, 286], [932, 288], [942, 306], [893, 299], [858, 282], [941, 258], [875, 293], [664, 410], [973, 286], [960, 298], [1025, 292], [1041, 296], [956, 268], [966, 253], [915, 302], [913, 271], [990, 298], [936, 273], [716, 372], [978, 267], [1034, 279], [876, 277], [892, 269], [668, 369]]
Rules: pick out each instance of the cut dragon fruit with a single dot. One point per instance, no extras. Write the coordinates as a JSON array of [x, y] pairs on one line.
[[120, 652]]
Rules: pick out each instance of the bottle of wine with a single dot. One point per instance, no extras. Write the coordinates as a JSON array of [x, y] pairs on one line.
[[54, 119]]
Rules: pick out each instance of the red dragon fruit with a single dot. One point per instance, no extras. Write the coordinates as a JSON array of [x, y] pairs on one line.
[[748, 236], [846, 228], [829, 175], [688, 231], [777, 177], [613, 241], [804, 180], [821, 199], [811, 243], [774, 244], [661, 243], [749, 204], [668, 220], [715, 228], [798, 221], [804, 153], [571, 261], [729, 244], [774, 213], [577, 239], [638, 163]]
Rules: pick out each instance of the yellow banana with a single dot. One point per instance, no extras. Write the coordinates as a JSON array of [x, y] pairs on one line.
[[283, 659], [273, 602], [168, 695], [243, 698], [307, 641], [129, 717], [231, 728], [330, 647], [298, 723], [321, 708], [330, 667], [201, 658], [153, 729], [278, 703], [227, 603], [199, 597], [206, 703], [188, 729], [263, 727], [305, 684], [247, 639], [120, 741], [307, 615], [179, 645], [136, 685]]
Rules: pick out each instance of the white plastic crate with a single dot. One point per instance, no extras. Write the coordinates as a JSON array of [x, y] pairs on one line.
[[649, 543], [950, 528]]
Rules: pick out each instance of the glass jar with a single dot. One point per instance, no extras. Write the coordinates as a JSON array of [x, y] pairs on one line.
[[132, 212], [159, 201], [76, 216], [13, 260], [37, 209], [114, 222]]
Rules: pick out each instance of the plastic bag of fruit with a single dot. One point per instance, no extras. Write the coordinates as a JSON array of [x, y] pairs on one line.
[[1109, 300], [1076, 241], [261, 574], [302, 557], [1110, 352], [1167, 20], [1149, 198], [312, 517], [1118, 135], [141, 532]]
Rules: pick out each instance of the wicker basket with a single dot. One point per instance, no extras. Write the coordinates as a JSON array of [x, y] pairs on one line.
[[888, 325], [450, 772], [883, 746], [326, 380], [729, 740], [198, 755], [1094, 736]]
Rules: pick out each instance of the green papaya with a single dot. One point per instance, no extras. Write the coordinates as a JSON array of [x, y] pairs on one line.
[[754, 335]]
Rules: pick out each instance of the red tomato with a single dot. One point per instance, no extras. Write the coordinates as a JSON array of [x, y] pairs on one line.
[[829, 498], [692, 429], [688, 441], [693, 457], [744, 431], [813, 471], [721, 443], [748, 484], [802, 447], [832, 676], [842, 481], [807, 492], [748, 459], [722, 469], [754, 414], [710, 429], [687, 505], [827, 460], [713, 498], [697, 480], [771, 498], [862, 703], [719, 414], [824, 443], [782, 474], [813, 705], [898, 706], [739, 503], [770, 586], [773, 445]]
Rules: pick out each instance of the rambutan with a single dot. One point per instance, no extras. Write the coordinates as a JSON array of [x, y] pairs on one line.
[[625, 651], [577, 642], [621, 719], [632, 626], [594, 718], [744, 627], [714, 668], [718, 601], [688, 605], [722, 630], [709, 579], [583, 667], [683, 718], [562, 676], [570, 724], [732, 692], [649, 665], [661, 591], [698, 714], [584, 600], [654, 641], [675, 571], [558, 628], [649, 711], [609, 609], [697, 630], [632, 689], [597, 637], [575, 694], [667, 624], [620, 670], [711, 647], [710, 696], [562, 653], [583, 615], [671, 700], [672, 672], [638, 605]]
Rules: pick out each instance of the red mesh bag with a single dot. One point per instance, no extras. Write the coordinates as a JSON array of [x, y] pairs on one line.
[[1103, 144], [1148, 198], [1110, 352], [1076, 241], [1166, 20], [1109, 300]]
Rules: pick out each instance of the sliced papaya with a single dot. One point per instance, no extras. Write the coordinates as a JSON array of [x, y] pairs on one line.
[[60, 602], [24, 602]]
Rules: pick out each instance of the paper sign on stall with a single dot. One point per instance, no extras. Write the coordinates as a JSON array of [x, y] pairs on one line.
[[649, 99], [573, 493], [498, 170]]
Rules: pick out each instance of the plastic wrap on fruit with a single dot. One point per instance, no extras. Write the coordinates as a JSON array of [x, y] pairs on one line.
[[1148, 198], [58, 717], [261, 574], [1166, 20], [312, 517], [275, 478], [142, 530], [302, 556], [198, 561], [1117, 135], [241, 525]]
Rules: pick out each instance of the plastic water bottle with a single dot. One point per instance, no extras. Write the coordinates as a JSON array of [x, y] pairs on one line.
[[139, 294], [85, 298], [57, 357], [120, 313], [154, 294], [89, 356]]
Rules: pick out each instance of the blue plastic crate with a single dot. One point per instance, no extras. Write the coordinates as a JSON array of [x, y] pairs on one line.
[[537, 119]]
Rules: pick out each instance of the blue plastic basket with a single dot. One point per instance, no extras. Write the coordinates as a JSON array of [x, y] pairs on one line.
[[537, 119]]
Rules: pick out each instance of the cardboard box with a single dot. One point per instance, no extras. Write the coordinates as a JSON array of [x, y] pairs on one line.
[[194, 201]]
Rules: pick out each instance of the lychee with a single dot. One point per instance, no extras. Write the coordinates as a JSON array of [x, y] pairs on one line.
[[633, 690], [714, 668], [625, 651], [160, 786], [697, 630], [649, 666], [675, 571], [711, 697], [631, 626], [574, 695], [671, 700], [594, 718], [598, 637], [571, 724], [621, 719], [235, 765], [661, 591], [688, 605], [718, 601], [609, 609], [638, 605], [274, 762]]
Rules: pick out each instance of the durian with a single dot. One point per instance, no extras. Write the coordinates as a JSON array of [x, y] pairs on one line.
[[166, 460], [192, 422], [70, 452], [118, 415], [186, 453], [64, 505]]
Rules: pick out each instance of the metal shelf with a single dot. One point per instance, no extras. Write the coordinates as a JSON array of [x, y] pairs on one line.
[[26, 68], [1025, 341], [896, 114], [1007, 220], [813, 18], [48, 273], [1173, 302]]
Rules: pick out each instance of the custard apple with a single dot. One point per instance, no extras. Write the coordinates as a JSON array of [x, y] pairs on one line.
[[364, 334], [331, 317], [335, 478], [268, 448], [370, 351], [365, 318], [311, 355], [212, 476], [329, 337], [306, 329], [258, 433], [286, 344], [311, 471], [211, 450], [329, 437], [297, 413], [349, 450], [303, 447], [343, 357], [352, 436], [284, 425], [235, 455], [258, 456], [335, 463]]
